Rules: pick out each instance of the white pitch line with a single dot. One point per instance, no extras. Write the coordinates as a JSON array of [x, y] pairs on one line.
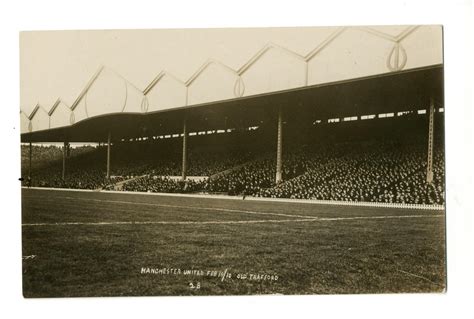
[[260, 221], [171, 222], [378, 217], [187, 207]]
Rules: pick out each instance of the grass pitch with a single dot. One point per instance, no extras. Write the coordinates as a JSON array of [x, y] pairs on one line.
[[108, 244]]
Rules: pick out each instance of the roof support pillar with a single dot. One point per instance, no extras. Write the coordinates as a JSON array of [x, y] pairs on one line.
[[429, 167], [65, 147], [29, 164], [185, 150], [108, 154], [279, 163]]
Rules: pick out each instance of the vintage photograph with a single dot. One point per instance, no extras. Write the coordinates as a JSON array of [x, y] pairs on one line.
[[237, 161]]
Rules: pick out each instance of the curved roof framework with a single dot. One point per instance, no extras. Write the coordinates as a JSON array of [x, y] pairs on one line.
[[399, 91], [271, 74]]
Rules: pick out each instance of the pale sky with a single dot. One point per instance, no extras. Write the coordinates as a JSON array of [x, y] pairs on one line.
[[58, 64]]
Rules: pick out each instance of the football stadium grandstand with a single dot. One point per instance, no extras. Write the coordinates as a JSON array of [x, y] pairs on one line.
[[377, 160], [359, 135]]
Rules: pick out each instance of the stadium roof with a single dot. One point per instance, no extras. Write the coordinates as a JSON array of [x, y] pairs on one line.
[[397, 91], [347, 70]]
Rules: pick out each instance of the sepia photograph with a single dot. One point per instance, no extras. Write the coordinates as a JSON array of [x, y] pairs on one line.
[[233, 161]]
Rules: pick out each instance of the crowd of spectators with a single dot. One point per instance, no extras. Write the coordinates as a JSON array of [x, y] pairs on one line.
[[159, 184], [155, 177], [368, 172], [82, 169], [412, 188], [388, 171], [256, 175], [208, 164], [86, 167]]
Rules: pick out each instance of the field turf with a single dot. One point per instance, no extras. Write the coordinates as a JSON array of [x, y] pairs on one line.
[[109, 244]]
